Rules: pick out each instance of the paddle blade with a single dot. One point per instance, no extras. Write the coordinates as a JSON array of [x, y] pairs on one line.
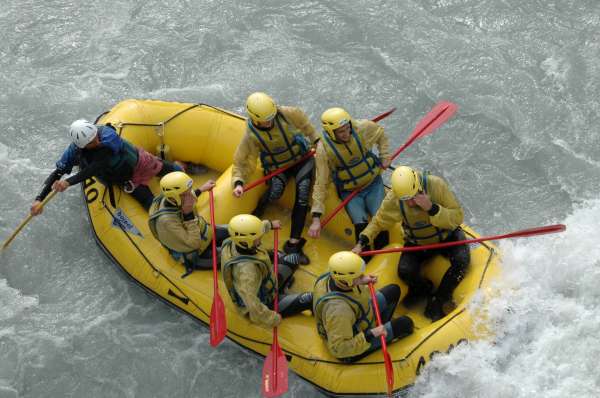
[[389, 372], [384, 115], [275, 373], [218, 321]]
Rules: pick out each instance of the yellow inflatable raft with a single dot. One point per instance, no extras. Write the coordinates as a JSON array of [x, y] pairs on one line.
[[207, 135]]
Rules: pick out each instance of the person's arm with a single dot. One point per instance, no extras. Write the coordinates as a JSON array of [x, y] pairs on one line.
[[375, 136], [446, 212], [338, 319], [247, 280], [322, 179], [181, 236], [298, 118], [387, 215], [244, 161]]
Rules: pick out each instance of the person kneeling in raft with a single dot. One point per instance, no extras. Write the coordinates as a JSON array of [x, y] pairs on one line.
[[345, 314], [429, 213], [175, 223], [248, 273]]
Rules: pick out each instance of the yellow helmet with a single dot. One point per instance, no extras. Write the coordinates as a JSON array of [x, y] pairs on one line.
[[405, 183], [345, 267], [261, 107], [334, 118], [244, 229], [174, 184]]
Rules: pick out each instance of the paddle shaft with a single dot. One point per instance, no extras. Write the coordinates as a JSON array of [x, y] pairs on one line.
[[435, 118], [211, 200], [26, 220], [307, 155], [548, 229], [388, 368]]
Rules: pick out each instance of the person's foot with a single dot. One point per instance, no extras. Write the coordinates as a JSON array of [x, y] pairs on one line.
[[296, 248], [435, 308], [416, 295]]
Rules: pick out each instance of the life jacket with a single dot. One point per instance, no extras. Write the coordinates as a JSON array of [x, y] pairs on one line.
[[230, 258], [359, 302], [159, 209], [281, 145], [355, 166], [415, 222], [122, 159]]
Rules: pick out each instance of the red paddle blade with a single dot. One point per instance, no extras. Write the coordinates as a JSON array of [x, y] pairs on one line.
[[218, 321], [389, 372], [275, 373], [384, 115]]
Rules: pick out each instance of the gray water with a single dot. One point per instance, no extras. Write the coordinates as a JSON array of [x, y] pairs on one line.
[[521, 152]]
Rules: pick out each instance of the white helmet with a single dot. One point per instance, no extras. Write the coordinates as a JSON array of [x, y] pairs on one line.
[[82, 132]]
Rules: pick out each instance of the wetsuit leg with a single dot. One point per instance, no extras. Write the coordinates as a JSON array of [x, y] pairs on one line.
[[276, 188], [293, 304], [459, 257], [304, 178], [409, 270], [143, 195], [387, 299], [168, 167]]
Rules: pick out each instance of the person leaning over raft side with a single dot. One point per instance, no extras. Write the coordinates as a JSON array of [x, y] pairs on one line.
[[430, 213], [100, 152], [279, 135], [345, 314], [248, 273], [175, 223], [344, 155]]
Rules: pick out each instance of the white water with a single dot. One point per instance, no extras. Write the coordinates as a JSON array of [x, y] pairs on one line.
[[521, 152]]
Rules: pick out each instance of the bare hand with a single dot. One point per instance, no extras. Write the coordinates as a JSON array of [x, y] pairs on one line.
[[423, 201], [386, 163], [314, 231], [275, 224], [238, 191], [379, 331], [36, 208], [208, 185], [365, 280], [357, 249], [188, 200], [60, 185]]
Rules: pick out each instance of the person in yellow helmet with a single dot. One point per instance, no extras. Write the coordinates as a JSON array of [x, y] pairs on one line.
[[344, 312], [429, 213], [175, 223], [249, 276], [344, 155], [280, 135]]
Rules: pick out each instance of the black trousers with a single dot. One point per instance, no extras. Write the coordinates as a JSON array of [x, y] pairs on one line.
[[304, 174], [409, 267], [143, 194]]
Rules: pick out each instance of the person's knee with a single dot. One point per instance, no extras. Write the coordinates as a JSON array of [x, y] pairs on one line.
[[402, 326], [303, 192], [391, 293], [276, 189]]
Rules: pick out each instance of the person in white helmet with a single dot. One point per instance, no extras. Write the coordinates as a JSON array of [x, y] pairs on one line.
[[100, 152]]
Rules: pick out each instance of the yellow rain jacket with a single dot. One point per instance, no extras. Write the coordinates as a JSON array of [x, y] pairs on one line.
[[251, 283], [418, 225], [172, 231], [342, 318], [350, 165], [278, 147]]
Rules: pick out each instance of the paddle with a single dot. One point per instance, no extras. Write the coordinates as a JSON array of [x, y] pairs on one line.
[[434, 119], [275, 369], [303, 158], [26, 220], [389, 369], [548, 229], [218, 321]]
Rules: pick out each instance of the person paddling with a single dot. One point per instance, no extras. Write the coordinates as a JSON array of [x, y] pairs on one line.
[[176, 224], [344, 312], [101, 153], [280, 135], [248, 274], [429, 213]]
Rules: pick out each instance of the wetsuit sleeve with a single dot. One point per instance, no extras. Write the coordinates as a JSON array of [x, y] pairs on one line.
[[375, 135], [244, 160], [89, 171], [338, 319], [298, 118], [450, 213], [322, 180], [47, 187], [247, 279], [387, 215], [181, 236]]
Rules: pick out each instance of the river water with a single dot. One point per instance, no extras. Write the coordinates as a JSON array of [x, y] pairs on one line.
[[521, 152]]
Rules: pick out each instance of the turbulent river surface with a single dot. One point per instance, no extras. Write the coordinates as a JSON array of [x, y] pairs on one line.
[[522, 151]]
